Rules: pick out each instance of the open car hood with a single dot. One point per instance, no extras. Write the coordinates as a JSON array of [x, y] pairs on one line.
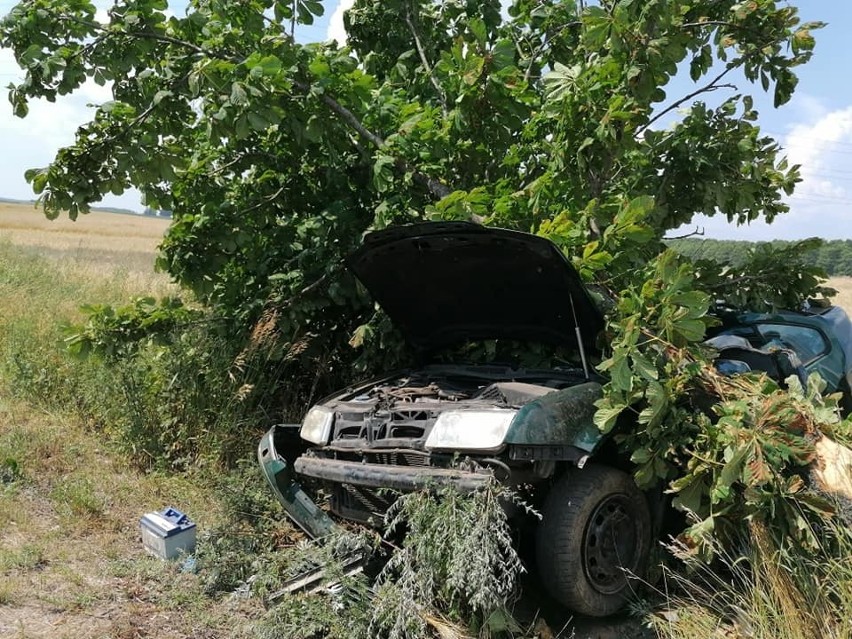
[[443, 283]]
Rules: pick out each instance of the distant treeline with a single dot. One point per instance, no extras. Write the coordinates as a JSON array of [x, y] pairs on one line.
[[835, 256], [157, 212]]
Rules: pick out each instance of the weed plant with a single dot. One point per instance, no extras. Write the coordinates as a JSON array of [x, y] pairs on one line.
[[453, 566], [458, 560]]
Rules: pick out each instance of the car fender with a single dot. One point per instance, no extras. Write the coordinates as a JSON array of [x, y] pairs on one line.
[[563, 417]]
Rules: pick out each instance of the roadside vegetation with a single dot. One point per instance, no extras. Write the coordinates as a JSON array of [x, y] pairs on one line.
[[73, 489], [71, 563]]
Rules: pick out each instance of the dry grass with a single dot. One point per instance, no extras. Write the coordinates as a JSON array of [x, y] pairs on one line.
[[70, 570]]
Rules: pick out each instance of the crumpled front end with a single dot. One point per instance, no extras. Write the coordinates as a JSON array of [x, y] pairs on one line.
[[443, 426]]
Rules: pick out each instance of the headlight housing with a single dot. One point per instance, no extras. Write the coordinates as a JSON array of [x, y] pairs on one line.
[[481, 430], [316, 427]]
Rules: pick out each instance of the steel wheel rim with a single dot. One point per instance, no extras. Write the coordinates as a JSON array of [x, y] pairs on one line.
[[610, 544]]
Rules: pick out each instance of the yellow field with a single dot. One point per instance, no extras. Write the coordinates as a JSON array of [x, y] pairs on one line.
[[96, 244], [844, 292], [27, 225]]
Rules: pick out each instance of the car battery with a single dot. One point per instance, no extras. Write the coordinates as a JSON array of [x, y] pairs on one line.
[[167, 533]]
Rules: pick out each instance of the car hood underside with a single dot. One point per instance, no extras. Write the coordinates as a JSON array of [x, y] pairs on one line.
[[443, 283]]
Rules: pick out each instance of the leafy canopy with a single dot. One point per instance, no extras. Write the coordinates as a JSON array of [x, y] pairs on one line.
[[275, 156]]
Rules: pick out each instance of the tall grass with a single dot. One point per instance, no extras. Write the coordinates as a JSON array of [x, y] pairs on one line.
[[196, 400], [766, 592], [36, 297]]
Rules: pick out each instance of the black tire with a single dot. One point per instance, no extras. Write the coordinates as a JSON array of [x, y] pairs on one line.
[[595, 536]]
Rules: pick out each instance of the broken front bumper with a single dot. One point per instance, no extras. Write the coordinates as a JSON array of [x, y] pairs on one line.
[[279, 474], [404, 478]]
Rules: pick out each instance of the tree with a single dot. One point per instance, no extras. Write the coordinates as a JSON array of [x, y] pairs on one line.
[[275, 156]]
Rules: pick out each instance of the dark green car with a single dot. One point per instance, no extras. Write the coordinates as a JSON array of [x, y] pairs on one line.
[[445, 284]]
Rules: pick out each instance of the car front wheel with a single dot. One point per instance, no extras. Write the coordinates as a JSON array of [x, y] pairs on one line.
[[594, 538]]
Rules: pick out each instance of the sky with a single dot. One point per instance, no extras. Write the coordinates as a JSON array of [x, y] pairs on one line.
[[815, 127]]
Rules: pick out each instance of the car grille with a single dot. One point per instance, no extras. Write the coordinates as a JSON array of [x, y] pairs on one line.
[[366, 505], [400, 423], [390, 457]]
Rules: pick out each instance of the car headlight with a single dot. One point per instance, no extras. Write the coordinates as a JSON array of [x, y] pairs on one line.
[[482, 430], [316, 427]]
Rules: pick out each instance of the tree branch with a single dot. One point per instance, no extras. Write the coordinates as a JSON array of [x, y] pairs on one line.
[[287, 303], [425, 61], [169, 40], [345, 114], [711, 23], [735, 280], [710, 86], [264, 201], [437, 188], [694, 233]]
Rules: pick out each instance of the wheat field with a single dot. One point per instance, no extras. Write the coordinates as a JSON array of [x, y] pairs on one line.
[[95, 246], [843, 299], [26, 224], [107, 241]]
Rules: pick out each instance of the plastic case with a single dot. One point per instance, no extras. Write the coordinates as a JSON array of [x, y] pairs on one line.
[[168, 533]]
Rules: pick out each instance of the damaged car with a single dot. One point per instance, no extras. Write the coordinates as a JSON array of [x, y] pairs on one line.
[[447, 284], [450, 422]]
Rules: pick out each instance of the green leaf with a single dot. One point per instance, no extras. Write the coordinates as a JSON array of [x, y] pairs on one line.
[[690, 496], [643, 367], [606, 417], [473, 69], [641, 456], [691, 330], [621, 377]]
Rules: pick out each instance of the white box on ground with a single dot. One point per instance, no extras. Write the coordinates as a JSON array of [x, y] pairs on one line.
[[167, 533]]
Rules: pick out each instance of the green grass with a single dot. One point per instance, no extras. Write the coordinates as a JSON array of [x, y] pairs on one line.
[[71, 559], [28, 556]]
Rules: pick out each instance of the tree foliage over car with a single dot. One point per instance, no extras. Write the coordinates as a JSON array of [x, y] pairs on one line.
[[557, 118]]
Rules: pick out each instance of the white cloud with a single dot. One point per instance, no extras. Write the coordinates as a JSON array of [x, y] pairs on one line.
[[336, 30], [808, 107], [819, 148], [822, 203]]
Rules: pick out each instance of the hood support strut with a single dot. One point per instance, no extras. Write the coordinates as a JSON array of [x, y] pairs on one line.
[[579, 339]]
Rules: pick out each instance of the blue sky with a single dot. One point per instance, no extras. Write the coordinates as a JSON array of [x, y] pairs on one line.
[[815, 128]]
